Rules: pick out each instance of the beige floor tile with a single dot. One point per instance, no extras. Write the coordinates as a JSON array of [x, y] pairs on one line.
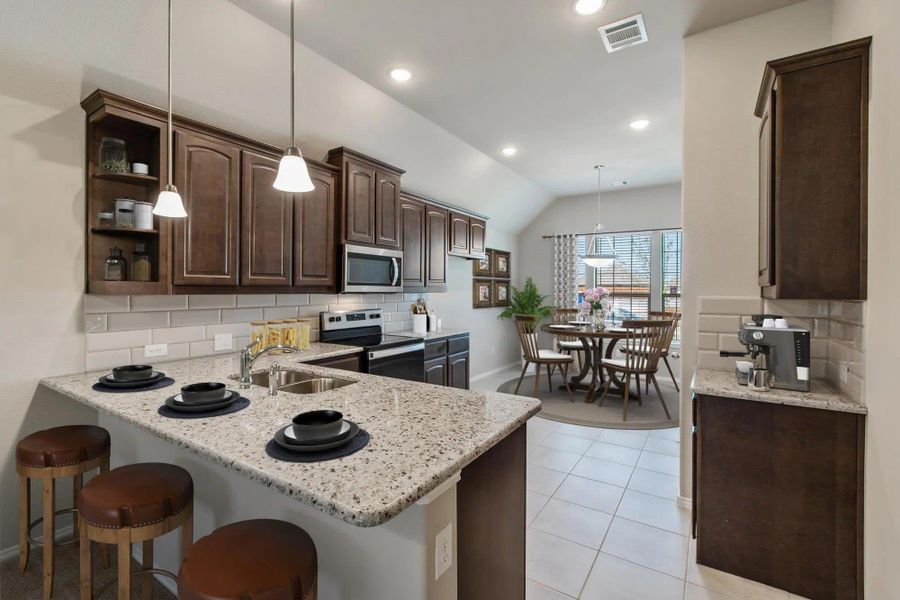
[[615, 579], [572, 522], [613, 453], [593, 494], [603, 470], [655, 511], [660, 463], [648, 546], [695, 592], [726, 583], [536, 591], [662, 446], [534, 502], [557, 563], [542, 480], [621, 437], [651, 482], [557, 460], [568, 443], [672, 434], [582, 431]]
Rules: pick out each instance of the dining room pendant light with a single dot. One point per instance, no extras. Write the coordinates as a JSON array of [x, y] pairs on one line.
[[596, 255], [168, 203], [293, 175]]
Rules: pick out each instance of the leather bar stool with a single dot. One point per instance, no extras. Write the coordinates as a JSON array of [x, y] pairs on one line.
[[134, 503], [48, 455], [261, 559]]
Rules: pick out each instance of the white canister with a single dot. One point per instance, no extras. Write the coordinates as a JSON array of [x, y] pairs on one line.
[[143, 215], [124, 213], [140, 169], [420, 324]]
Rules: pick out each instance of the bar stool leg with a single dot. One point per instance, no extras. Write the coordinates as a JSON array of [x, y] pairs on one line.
[[77, 483], [124, 551], [86, 566], [24, 520], [104, 551], [49, 504], [147, 578]]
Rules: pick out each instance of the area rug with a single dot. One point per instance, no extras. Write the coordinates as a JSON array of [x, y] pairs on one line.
[[557, 406]]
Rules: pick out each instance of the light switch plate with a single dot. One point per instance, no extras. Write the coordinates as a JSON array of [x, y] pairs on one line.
[[151, 350], [443, 550], [222, 341]]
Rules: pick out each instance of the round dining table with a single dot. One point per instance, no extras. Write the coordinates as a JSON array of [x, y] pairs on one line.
[[592, 339]]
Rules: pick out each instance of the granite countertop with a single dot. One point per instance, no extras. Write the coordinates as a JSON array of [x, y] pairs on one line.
[[821, 395], [432, 335], [421, 434]]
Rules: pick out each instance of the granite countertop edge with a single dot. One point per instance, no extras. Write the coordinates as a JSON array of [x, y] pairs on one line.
[[433, 335]]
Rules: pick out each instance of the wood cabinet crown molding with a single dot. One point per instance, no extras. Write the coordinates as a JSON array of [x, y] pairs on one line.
[[349, 152]]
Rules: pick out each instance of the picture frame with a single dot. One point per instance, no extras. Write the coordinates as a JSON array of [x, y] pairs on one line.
[[502, 269], [482, 293], [484, 267], [501, 293]]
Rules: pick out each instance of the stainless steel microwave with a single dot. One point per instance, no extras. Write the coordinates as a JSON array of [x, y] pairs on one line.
[[366, 269]]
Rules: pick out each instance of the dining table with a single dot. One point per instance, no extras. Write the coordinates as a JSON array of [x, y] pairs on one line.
[[599, 342]]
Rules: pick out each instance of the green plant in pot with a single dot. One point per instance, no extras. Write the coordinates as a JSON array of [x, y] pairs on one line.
[[527, 301]]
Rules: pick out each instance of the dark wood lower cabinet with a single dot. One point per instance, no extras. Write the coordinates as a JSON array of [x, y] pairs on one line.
[[458, 370], [778, 495], [447, 361], [352, 362], [436, 371]]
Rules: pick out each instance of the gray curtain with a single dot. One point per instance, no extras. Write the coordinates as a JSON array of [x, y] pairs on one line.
[[565, 270]]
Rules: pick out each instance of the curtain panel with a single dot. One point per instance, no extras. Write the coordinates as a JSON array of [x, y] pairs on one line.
[[565, 270]]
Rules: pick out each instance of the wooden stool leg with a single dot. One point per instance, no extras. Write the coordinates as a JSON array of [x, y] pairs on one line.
[[84, 552], [24, 520], [104, 550], [147, 578], [124, 552], [49, 506], [77, 483]]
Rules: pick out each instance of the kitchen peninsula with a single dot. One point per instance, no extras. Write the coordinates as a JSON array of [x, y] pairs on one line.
[[434, 454]]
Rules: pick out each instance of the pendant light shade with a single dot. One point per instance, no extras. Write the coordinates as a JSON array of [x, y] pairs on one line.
[[596, 255], [293, 175], [168, 203]]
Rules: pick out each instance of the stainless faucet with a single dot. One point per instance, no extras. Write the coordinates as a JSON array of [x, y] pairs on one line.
[[248, 357]]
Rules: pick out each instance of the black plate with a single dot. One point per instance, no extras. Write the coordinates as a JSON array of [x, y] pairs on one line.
[[318, 446], [108, 381], [182, 407]]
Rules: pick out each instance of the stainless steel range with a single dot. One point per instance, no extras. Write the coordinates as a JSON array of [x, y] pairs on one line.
[[387, 355]]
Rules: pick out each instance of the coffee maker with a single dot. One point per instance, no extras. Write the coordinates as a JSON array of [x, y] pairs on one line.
[[783, 351]]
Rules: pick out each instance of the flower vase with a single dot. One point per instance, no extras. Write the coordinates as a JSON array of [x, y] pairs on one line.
[[598, 317]]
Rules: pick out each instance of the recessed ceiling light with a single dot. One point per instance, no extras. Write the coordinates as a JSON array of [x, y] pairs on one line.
[[639, 124], [509, 151], [588, 7], [400, 74]]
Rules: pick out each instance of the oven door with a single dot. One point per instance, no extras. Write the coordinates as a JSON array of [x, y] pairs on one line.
[[371, 269], [401, 362]]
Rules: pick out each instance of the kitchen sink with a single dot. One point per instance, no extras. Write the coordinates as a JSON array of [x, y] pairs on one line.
[[298, 382]]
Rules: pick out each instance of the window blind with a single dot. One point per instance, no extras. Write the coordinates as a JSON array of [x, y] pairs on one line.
[[628, 278]]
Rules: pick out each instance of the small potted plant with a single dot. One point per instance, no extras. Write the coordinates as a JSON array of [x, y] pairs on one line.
[[598, 298]]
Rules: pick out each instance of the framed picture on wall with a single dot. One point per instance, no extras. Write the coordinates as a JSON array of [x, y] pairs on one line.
[[501, 264], [482, 293], [501, 293], [483, 267]]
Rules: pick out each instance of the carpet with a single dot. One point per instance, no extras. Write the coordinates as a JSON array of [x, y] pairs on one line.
[[557, 406]]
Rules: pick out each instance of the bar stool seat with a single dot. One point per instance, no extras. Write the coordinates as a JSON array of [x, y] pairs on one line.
[[62, 446], [260, 559]]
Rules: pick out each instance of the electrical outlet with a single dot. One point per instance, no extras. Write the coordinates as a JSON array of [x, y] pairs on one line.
[[443, 550], [222, 341], [151, 350], [843, 371]]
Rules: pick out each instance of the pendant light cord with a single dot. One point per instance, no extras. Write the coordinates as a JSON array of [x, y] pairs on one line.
[[169, 74], [292, 72]]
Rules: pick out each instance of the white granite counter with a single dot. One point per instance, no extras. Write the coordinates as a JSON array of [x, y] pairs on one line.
[[421, 434], [720, 382], [433, 335]]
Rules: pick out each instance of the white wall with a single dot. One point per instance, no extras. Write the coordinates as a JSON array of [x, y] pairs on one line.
[[881, 19], [230, 70]]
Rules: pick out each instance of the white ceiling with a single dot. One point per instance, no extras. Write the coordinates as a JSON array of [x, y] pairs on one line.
[[529, 73]]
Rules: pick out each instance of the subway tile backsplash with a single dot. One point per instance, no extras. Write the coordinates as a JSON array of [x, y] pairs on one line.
[[118, 327], [837, 327]]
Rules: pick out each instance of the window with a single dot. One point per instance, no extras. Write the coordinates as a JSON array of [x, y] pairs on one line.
[[671, 273], [628, 278]]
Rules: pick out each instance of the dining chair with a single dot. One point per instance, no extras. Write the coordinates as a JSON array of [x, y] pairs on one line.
[[676, 319], [526, 326], [645, 341], [568, 344]]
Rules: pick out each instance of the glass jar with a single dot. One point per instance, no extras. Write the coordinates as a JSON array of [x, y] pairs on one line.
[[304, 332], [124, 213], [273, 333], [113, 158], [289, 333], [106, 218], [140, 263], [116, 267], [258, 335]]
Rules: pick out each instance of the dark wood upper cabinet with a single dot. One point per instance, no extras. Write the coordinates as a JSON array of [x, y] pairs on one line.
[[813, 168], [477, 231], [359, 202], [266, 224], [387, 210], [207, 174], [436, 221], [412, 229], [315, 246], [460, 244]]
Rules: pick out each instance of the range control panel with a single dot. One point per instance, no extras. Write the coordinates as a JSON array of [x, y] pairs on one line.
[[335, 320]]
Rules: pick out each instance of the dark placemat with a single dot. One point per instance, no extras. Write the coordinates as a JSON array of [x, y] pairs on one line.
[[164, 382], [359, 441], [239, 404]]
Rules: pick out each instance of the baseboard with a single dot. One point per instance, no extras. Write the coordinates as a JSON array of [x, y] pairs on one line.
[[685, 502], [495, 371], [62, 532]]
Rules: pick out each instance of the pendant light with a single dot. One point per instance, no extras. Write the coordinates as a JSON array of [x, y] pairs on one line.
[[293, 176], [596, 255], [168, 203]]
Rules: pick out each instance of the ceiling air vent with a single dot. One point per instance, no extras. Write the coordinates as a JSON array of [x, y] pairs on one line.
[[624, 33]]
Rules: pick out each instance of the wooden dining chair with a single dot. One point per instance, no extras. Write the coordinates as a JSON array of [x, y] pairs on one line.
[[526, 326], [676, 319], [645, 341], [567, 344]]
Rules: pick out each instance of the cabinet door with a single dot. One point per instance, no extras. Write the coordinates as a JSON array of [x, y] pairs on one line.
[[766, 196], [436, 371], [476, 237], [459, 234], [387, 210], [359, 202], [412, 228], [207, 172], [458, 370], [436, 223], [265, 224], [315, 249]]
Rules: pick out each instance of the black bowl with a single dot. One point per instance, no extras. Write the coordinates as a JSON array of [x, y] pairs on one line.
[[132, 373], [203, 392], [317, 425]]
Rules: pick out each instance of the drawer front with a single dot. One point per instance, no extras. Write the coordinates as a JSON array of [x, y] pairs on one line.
[[458, 344], [435, 349]]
